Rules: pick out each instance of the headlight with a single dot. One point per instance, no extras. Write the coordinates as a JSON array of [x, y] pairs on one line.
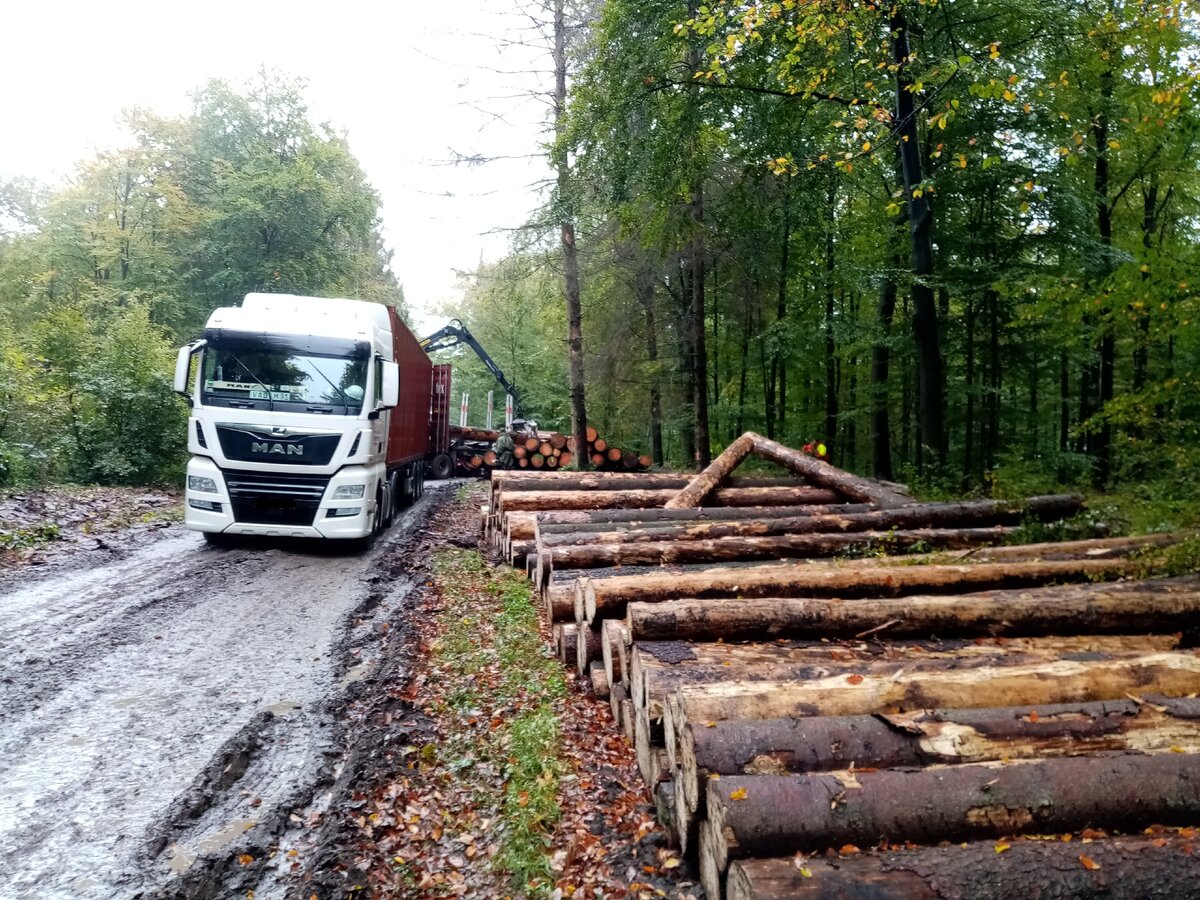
[[203, 484], [348, 491]]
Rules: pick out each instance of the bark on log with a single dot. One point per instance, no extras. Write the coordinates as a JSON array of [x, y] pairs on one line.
[[608, 597], [1162, 606], [1126, 868], [983, 513], [1174, 674], [627, 720], [788, 546], [519, 525], [637, 498], [940, 737], [460, 433], [823, 474], [781, 814], [659, 668], [1158, 606], [599, 680], [705, 482]]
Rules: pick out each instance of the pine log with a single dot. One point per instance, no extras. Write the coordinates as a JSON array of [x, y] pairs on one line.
[[781, 814], [460, 433], [537, 460], [543, 501], [706, 482], [659, 668], [545, 449], [552, 462], [787, 546], [532, 443], [608, 597], [648, 746], [1174, 674], [564, 458], [592, 434], [823, 474], [519, 451], [597, 459], [598, 680], [599, 445], [627, 720], [1158, 605], [519, 524], [630, 460], [645, 461], [587, 648], [1126, 868], [977, 514], [614, 454], [612, 634], [941, 737]]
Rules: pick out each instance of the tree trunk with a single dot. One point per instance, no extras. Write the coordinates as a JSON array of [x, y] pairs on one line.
[[781, 814], [778, 363], [1064, 681], [608, 597], [768, 547], [881, 438], [920, 221], [1157, 606], [570, 254], [1127, 868], [704, 483], [821, 473], [831, 394]]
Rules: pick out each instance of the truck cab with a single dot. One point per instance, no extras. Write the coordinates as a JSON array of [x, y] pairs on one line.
[[300, 425]]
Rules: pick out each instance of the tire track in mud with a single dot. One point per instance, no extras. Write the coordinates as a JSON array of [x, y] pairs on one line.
[[177, 705]]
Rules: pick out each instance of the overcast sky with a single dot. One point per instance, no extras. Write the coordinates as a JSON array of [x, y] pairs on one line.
[[412, 84]]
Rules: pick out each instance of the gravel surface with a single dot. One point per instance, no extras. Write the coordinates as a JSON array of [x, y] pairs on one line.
[[163, 702]]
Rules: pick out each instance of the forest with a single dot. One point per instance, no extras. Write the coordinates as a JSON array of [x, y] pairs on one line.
[[103, 278], [957, 241]]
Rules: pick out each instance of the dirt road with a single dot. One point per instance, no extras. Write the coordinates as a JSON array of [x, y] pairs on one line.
[[157, 707]]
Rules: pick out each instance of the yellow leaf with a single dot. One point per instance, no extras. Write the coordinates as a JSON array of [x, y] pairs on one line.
[[1029, 185], [917, 193], [805, 872], [672, 863], [1088, 862], [739, 794], [1114, 145], [1009, 96], [1000, 848], [866, 146], [962, 161]]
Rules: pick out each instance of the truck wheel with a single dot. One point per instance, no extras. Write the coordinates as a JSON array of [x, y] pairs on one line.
[[441, 466]]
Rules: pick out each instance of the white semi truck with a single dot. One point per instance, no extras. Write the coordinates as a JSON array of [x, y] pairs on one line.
[[310, 417]]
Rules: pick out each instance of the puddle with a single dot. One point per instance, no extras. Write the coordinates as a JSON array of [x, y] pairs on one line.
[[283, 707], [183, 859]]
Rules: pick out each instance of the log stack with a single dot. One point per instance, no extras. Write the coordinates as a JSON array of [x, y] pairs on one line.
[[843, 692], [541, 451]]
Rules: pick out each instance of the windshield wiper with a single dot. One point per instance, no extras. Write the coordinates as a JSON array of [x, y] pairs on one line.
[[341, 393], [270, 400]]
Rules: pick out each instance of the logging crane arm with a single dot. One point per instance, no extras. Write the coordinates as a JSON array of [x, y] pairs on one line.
[[455, 333]]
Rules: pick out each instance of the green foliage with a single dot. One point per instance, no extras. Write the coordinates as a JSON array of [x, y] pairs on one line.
[[100, 278]]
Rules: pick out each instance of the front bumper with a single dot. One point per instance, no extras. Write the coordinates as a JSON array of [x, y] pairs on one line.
[[277, 505]]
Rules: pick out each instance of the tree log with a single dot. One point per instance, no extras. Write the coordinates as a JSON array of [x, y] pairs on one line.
[[598, 679], [587, 648], [787, 546], [1126, 868], [566, 642], [659, 668], [781, 814], [460, 433], [1158, 605], [978, 514], [821, 473], [540, 501], [612, 635], [941, 737], [1174, 674], [608, 597], [616, 694], [706, 482]]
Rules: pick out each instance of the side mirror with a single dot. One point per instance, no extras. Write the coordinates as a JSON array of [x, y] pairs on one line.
[[391, 385], [183, 367]]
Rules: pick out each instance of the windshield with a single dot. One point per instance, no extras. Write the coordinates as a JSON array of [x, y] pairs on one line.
[[261, 376]]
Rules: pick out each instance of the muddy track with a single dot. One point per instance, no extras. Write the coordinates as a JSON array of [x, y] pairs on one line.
[[165, 712]]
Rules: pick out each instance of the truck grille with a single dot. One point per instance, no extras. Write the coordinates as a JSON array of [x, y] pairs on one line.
[[264, 498], [248, 443]]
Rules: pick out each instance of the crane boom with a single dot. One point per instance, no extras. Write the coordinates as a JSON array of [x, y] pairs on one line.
[[455, 333]]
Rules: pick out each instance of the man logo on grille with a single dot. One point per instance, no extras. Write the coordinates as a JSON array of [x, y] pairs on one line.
[[282, 449]]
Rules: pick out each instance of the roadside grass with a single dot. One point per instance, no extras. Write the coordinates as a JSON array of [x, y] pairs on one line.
[[497, 671]]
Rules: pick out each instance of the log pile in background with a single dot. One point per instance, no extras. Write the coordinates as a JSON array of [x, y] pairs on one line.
[[543, 451], [817, 720]]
